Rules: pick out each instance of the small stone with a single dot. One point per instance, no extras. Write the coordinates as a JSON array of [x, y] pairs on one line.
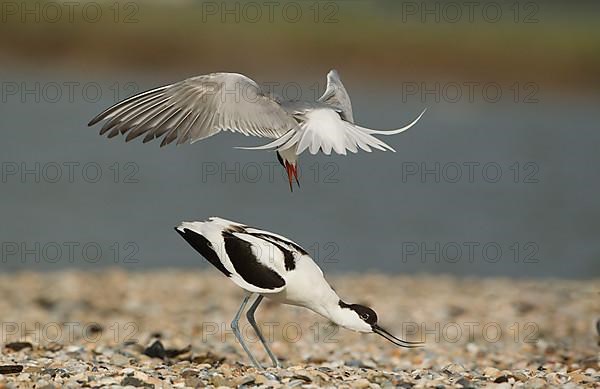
[[501, 379], [140, 375], [156, 382], [193, 381], [491, 372], [18, 346], [221, 381], [208, 359], [132, 381], [74, 349], [556, 379], [520, 376], [579, 378], [537, 383], [53, 346], [246, 380], [104, 381], [172, 353], [44, 386], [302, 377], [361, 383], [465, 383], [119, 360], [295, 383], [453, 368], [55, 371], [156, 350], [271, 376], [11, 369], [260, 379], [189, 373]]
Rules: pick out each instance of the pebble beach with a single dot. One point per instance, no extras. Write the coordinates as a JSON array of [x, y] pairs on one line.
[[163, 329]]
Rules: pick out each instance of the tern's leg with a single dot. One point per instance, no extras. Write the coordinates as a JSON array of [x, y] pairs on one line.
[[236, 331], [250, 316]]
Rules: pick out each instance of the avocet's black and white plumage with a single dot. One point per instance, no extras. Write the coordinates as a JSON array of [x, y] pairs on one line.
[[269, 265], [202, 106]]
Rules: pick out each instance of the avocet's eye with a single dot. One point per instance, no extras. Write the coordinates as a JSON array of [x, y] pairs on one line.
[[209, 244], [364, 316]]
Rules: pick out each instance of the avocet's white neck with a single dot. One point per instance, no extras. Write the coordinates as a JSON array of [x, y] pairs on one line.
[[329, 307]]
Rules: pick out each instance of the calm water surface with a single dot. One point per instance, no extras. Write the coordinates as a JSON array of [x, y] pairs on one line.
[[505, 189]]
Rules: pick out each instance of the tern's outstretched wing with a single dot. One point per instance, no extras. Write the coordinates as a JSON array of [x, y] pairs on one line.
[[336, 96], [196, 108]]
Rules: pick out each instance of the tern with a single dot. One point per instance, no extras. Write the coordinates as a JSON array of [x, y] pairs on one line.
[[202, 106], [265, 264]]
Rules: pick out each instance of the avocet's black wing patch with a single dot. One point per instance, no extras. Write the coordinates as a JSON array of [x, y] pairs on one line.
[[204, 247], [248, 266], [291, 251], [235, 228], [288, 256], [276, 238]]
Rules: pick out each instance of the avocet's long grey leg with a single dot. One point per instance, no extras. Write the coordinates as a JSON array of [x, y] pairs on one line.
[[236, 331], [250, 316]]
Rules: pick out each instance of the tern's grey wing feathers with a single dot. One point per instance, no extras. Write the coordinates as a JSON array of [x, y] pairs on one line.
[[336, 96], [197, 108]]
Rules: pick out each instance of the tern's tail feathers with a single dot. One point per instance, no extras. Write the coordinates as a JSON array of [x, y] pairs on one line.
[[275, 144], [397, 131], [324, 130]]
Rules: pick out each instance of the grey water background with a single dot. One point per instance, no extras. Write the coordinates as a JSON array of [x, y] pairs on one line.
[[363, 212]]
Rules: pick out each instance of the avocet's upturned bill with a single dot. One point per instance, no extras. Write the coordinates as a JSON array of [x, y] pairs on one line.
[[270, 265], [202, 106]]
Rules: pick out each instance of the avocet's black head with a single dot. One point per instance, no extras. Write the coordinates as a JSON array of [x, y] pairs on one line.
[[364, 319], [365, 314]]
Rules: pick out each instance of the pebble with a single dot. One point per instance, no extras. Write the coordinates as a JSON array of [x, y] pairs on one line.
[[132, 381], [361, 383], [454, 368], [11, 369], [221, 381], [18, 346], [491, 372], [246, 380], [119, 360]]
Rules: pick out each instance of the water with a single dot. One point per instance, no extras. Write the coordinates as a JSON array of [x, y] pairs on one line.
[[380, 211]]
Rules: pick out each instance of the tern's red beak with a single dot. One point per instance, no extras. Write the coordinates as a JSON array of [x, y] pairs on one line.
[[291, 172]]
